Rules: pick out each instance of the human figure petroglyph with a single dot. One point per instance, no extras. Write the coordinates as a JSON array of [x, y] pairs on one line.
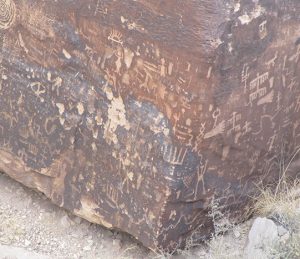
[[56, 84], [201, 171], [38, 89]]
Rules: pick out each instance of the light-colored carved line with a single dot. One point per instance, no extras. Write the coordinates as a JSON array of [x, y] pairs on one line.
[[174, 155]]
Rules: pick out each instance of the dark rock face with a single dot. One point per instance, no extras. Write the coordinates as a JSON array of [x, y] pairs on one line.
[[136, 114]]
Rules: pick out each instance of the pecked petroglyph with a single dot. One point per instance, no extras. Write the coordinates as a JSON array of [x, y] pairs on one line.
[[7, 14], [135, 115]]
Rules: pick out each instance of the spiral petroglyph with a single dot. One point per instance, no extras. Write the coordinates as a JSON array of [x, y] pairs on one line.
[[7, 13]]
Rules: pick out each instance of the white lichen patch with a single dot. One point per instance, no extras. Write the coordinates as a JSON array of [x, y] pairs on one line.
[[116, 118]]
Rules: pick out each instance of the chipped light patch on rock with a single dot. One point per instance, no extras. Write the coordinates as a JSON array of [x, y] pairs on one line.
[[98, 120], [216, 43], [247, 18], [116, 117], [61, 108], [130, 175], [88, 211], [62, 121], [158, 128], [80, 108], [128, 56], [237, 7]]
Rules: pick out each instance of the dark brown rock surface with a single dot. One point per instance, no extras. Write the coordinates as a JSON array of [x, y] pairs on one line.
[[136, 114]]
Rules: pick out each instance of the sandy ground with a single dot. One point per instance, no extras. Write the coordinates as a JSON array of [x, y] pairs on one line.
[[31, 227]]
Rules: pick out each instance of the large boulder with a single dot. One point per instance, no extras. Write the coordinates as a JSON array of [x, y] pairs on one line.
[[137, 114]]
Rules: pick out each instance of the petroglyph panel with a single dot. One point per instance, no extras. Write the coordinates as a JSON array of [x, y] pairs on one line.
[[138, 114]]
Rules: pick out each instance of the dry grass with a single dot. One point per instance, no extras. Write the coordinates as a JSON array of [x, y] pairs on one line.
[[282, 202], [289, 249], [222, 244], [281, 205]]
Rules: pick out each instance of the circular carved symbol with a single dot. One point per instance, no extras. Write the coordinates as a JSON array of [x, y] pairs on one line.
[[7, 13]]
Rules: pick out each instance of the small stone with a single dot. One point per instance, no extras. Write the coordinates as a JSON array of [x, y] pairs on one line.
[[263, 233]]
